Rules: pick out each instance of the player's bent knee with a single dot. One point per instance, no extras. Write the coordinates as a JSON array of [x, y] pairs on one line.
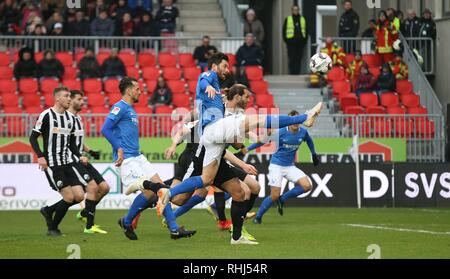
[[238, 195], [104, 188]]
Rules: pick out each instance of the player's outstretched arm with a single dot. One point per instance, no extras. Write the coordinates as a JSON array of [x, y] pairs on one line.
[[177, 139]]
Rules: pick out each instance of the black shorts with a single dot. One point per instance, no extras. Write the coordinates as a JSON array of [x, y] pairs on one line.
[[98, 178], [183, 164], [60, 177], [239, 173], [82, 173]]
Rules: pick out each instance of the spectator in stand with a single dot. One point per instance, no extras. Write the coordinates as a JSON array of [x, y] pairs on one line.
[[88, 65], [96, 8], [147, 27], [411, 26], [26, 66], [399, 67], [335, 51], [254, 26], [50, 67], [386, 35], [295, 36], [57, 30], [102, 25], [354, 68], [349, 26], [127, 27], [79, 27], [29, 12], [10, 16], [162, 94], [166, 16], [249, 54], [203, 52], [39, 30], [113, 67], [366, 81], [386, 80], [33, 20], [392, 16], [55, 18], [427, 30], [140, 5]]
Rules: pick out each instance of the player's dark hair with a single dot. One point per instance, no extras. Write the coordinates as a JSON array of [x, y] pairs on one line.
[[60, 89], [293, 112], [75, 92], [217, 59], [126, 83], [237, 89]]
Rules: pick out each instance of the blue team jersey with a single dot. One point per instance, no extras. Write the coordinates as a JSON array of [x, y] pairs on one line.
[[288, 144], [125, 129], [210, 110]]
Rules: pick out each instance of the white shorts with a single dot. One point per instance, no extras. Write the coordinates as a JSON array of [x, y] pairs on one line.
[[219, 133], [134, 168], [277, 173]]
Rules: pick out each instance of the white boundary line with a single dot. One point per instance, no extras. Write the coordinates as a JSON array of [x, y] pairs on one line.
[[396, 229]]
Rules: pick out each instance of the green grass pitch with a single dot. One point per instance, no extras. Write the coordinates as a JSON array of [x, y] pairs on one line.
[[300, 233]]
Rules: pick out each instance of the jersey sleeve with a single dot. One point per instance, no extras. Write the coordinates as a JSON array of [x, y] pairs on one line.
[[309, 142], [116, 113], [41, 123], [206, 79]]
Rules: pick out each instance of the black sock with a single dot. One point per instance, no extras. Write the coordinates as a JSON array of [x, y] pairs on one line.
[[84, 211], [51, 209], [251, 202], [219, 200], [152, 201], [60, 211], [238, 211], [154, 187], [90, 210]]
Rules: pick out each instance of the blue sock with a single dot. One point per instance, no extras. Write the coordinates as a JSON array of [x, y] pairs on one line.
[[189, 185], [140, 203], [280, 121], [265, 205], [170, 218], [193, 201], [294, 192]]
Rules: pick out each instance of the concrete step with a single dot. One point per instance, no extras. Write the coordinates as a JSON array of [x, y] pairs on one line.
[[204, 28], [206, 7], [207, 20], [200, 13]]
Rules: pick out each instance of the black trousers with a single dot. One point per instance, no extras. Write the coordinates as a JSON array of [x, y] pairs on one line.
[[295, 52]]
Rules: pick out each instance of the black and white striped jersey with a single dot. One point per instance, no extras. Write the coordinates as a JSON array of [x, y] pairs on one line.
[[56, 130], [78, 133]]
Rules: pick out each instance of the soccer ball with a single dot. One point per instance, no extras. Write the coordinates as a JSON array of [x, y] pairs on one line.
[[320, 63]]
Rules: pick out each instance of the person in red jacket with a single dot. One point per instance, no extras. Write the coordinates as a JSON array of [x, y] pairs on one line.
[[386, 34], [354, 68], [366, 82]]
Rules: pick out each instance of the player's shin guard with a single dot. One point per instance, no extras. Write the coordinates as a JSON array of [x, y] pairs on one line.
[[189, 185], [294, 192], [140, 203], [265, 205], [280, 121], [193, 201], [90, 213], [251, 202], [238, 211], [219, 200], [61, 208], [170, 218]]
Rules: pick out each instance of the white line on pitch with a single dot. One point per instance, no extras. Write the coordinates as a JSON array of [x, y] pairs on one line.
[[396, 229]]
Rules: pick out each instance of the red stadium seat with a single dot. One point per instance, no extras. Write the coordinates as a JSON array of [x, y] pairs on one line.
[[341, 86], [354, 110], [70, 73], [410, 100], [418, 111], [404, 87], [34, 110], [151, 73], [186, 60], [141, 84], [31, 100], [8, 86], [382, 128], [6, 72], [376, 110], [396, 110], [375, 71], [348, 100], [12, 110], [191, 73], [181, 100], [264, 101], [143, 110], [48, 85], [251, 101], [99, 109], [66, 58], [167, 59], [128, 58], [10, 100], [389, 100], [259, 86], [92, 86], [192, 85], [372, 60], [114, 98], [4, 59], [133, 72], [48, 99], [335, 74], [72, 83], [146, 60], [78, 56], [177, 86], [28, 85], [151, 86], [163, 110], [425, 128], [95, 100], [143, 101], [171, 73], [111, 86], [231, 59], [254, 72], [38, 56], [102, 56], [368, 99], [403, 127]]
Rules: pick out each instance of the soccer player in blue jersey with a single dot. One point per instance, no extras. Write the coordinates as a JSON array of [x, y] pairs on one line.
[[282, 165], [122, 132]]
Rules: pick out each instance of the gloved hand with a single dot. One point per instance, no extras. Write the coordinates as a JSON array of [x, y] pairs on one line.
[[94, 154], [316, 160]]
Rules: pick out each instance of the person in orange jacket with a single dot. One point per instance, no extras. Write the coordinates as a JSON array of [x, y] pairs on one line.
[[335, 51], [354, 68], [386, 34], [399, 67]]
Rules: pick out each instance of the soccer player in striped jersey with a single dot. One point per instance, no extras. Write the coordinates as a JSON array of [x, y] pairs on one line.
[[56, 127], [97, 188], [282, 165]]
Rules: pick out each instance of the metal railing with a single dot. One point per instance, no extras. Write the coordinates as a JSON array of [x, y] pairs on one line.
[[424, 46], [234, 21], [423, 134], [137, 44]]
